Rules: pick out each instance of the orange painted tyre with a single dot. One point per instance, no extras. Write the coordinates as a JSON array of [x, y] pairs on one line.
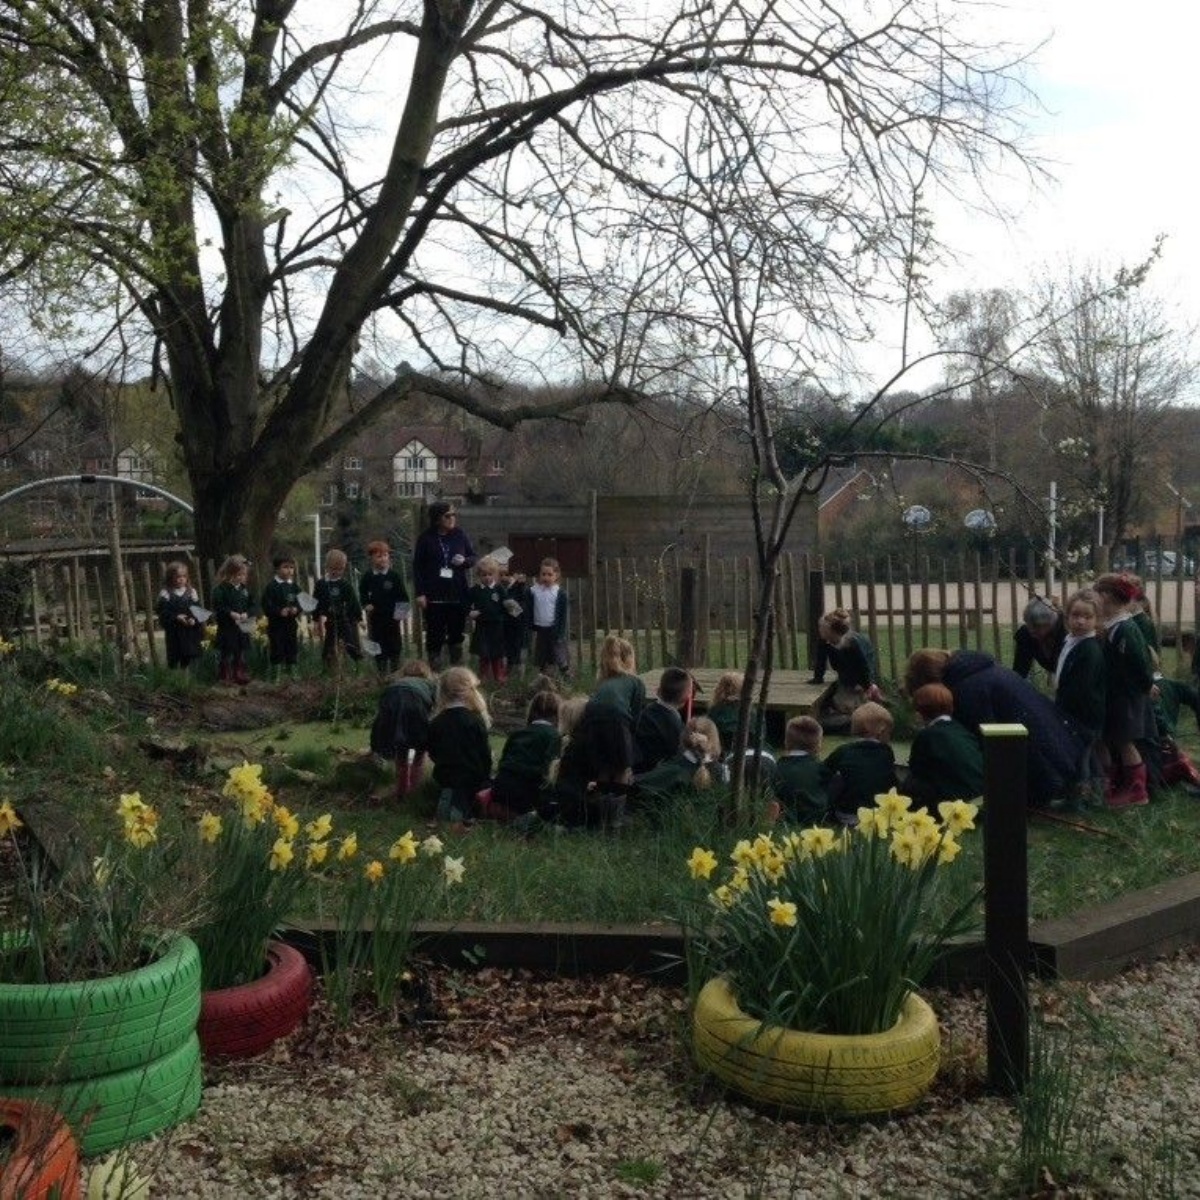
[[831, 1075], [239, 1022], [42, 1162]]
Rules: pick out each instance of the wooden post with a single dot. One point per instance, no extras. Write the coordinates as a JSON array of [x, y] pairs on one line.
[[665, 618], [978, 601], [943, 602], [621, 600], [996, 647], [1006, 904], [723, 615], [148, 592], [36, 597], [962, 601], [688, 618], [751, 602], [706, 594], [816, 610], [926, 569], [890, 585], [68, 607], [101, 610]]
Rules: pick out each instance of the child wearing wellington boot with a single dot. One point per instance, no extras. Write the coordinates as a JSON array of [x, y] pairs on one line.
[[1080, 687], [400, 730], [458, 745], [486, 603], [231, 603], [1130, 678]]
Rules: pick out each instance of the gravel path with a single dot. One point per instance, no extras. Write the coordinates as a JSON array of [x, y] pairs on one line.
[[526, 1087]]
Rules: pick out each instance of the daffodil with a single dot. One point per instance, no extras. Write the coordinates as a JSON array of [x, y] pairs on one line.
[[373, 871], [285, 821], [403, 849], [702, 863], [948, 849], [316, 854], [958, 815], [431, 847], [282, 854], [6, 647], [349, 847], [818, 840], [9, 821], [244, 780], [908, 847], [724, 896], [453, 869], [742, 854], [128, 804], [210, 827], [893, 804], [873, 822], [142, 828], [783, 912], [319, 830]]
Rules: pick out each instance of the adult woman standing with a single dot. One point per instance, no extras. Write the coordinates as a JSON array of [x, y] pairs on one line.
[[442, 556]]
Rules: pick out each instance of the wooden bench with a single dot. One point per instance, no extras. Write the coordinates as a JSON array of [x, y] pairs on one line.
[[790, 694]]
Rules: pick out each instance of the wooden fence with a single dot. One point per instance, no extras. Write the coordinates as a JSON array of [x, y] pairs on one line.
[[673, 610]]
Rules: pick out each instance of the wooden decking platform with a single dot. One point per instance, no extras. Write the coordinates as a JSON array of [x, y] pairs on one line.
[[790, 692]]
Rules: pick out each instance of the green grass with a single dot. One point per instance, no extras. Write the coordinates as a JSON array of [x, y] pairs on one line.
[[90, 753]]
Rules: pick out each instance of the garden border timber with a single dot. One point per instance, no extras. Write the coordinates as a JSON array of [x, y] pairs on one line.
[[1095, 944]]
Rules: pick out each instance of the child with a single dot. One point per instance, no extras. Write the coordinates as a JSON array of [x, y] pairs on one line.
[[659, 726], [1079, 690], [458, 744], [946, 759], [485, 600], [725, 704], [231, 603], [401, 726], [596, 767], [800, 780], [281, 606], [548, 616], [686, 771], [862, 769], [1130, 677], [181, 631], [384, 600], [620, 685], [338, 611], [516, 615], [852, 657], [526, 759]]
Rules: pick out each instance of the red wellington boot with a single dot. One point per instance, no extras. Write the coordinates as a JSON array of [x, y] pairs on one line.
[[1132, 792]]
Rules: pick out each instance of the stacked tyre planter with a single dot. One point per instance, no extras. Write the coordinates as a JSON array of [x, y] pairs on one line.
[[832, 1075], [241, 1021], [42, 1160], [118, 1057]]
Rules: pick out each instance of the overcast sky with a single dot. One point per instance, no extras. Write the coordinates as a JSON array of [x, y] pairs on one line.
[[1117, 86]]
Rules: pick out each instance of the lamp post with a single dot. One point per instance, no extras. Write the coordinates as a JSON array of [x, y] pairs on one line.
[[316, 520]]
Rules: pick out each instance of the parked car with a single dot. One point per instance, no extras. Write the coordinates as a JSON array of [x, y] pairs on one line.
[[1154, 563]]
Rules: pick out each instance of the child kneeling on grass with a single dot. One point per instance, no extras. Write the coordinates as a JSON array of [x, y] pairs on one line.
[[687, 772], [458, 744], [525, 762], [862, 769], [801, 780], [401, 727]]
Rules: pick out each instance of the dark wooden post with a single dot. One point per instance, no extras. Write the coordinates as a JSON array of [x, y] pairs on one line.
[[1006, 904], [688, 612], [816, 610]]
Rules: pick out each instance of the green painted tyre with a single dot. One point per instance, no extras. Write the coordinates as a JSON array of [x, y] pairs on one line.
[[835, 1075], [108, 1111], [58, 1032]]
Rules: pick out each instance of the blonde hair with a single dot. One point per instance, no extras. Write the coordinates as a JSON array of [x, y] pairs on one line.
[[232, 566], [487, 564], [415, 668], [711, 734], [872, 720], [172, 572], [1086, 596], [569, 713], [699, 742], [617, 657], [729, 687], [460, 685], [336, 558], [837, 622]]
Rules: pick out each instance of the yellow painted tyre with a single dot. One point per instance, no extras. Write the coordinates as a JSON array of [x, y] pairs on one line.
[[835, 1075]]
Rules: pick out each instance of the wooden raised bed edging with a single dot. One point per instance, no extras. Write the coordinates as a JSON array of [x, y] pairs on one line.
[[1094, 944]]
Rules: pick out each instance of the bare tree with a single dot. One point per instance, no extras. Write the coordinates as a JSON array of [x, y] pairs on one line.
[[1116, 369], [207, 158]]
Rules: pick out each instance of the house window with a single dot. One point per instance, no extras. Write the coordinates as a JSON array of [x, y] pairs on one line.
[[352, 490], [353, 463], [416, 463], [410, 490], [329, 496], [497, 466], [40, 459]]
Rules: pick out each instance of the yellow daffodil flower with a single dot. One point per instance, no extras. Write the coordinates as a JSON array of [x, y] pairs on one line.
[[702, 863], [724, 896], [349, 847], [142, 828], [431, 847], [742, 854], [404, 849], [817, 840], [317, 853], [244, 780], [285, 821], [210, 827], [958, 815], [894, 804], [739, 881], [783, 912], [948, 850], [772, 869], [373, 871], [128, 804], [6, 647], [9, 821], [453, 869], [908, 847], [319, 830], [282, 854]]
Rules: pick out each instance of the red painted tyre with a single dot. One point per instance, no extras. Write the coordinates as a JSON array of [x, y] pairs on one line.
[[238, 1022], [42, 1159]]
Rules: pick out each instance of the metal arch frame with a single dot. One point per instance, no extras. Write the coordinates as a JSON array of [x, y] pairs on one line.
[[133, 483]]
